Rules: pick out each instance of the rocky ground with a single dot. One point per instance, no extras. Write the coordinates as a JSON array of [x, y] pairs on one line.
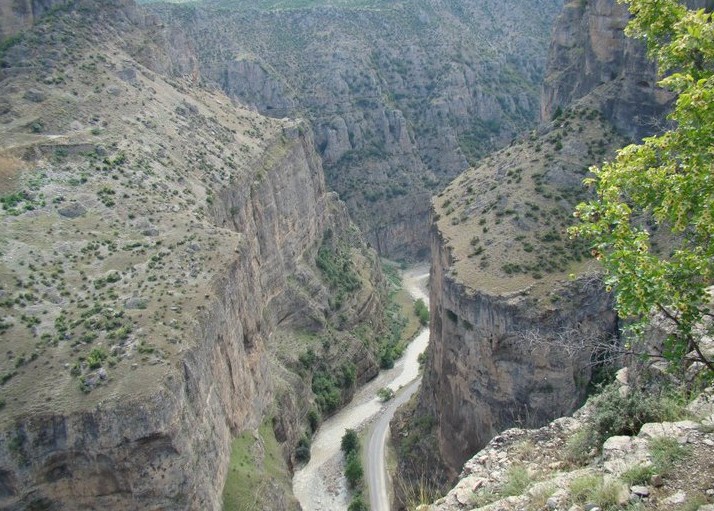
[[665, 466]]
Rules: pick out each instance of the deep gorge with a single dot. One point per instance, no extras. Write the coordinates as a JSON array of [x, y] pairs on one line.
[[196, 198]]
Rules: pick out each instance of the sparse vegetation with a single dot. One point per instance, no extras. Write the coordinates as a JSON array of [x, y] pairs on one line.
[[517, 480], [616, 414]]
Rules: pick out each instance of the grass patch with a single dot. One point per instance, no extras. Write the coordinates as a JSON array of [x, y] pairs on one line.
[[405, 302], [252, 469], [539, 496], [517, 480], [595, 489], [579, 447], [639, 474], [667, 453]]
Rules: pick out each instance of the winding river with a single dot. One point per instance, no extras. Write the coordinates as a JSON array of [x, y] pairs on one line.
[[320, 485]]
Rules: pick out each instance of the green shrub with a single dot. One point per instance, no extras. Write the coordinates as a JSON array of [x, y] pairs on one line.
[[302, 451], [386, 358], [335, 261], [96, 357], [385, 394], [327, 393], [358, 504], [353, 469], [313, 418], [421, 311], [350, 442], [517, 480], [624, 415]]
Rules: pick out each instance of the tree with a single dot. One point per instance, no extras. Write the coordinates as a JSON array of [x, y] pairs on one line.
[[358, 504], [350, 441], [664, 184], [421, 311], [385, 394], [353, 469]]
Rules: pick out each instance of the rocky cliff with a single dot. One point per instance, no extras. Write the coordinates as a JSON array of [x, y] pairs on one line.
[[158, 273], [590, 50], [511, 294], [590, 54], [18, 15], [401, 95], [547, 468]]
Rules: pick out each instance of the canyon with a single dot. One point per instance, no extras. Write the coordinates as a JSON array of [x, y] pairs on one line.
[[518, 308], [195, 199], [400, 95], [158, 294]]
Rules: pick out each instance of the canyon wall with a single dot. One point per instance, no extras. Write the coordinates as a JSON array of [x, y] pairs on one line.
[[170, 447], [159, 275], [590, 54], [589, 49], [512, 296], [401, 96], [18, 15], [496, 360]]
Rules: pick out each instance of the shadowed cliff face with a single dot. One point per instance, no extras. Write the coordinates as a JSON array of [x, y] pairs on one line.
[[16, 15], [160, 254], [591, 54], [401, 95]]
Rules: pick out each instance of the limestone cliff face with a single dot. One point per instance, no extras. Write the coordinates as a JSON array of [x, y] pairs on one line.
[[18, 15], [170, 448], [590, 54], [184, 230], [503, 305], [484, 374]]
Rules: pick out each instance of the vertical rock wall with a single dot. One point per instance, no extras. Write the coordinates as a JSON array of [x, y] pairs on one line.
[[171, 450], [589, 53], [483, 375]]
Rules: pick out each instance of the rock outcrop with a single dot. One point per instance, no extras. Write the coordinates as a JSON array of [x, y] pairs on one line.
[[551, 478], [158, 274], [511, 294], [590, 50], [15, 16], [590, 54], [496, 360]]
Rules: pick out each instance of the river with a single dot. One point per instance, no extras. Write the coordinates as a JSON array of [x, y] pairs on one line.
[[320, 484]]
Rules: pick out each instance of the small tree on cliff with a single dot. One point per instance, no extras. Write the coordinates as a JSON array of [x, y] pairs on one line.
[[667, 182]]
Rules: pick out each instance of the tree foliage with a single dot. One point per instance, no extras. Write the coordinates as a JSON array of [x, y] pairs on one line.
[[421, 311], [354, 470], [350, 442], [664, 183]]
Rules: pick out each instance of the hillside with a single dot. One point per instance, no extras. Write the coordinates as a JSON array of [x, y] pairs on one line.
[[174, 273], [401, 96]]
